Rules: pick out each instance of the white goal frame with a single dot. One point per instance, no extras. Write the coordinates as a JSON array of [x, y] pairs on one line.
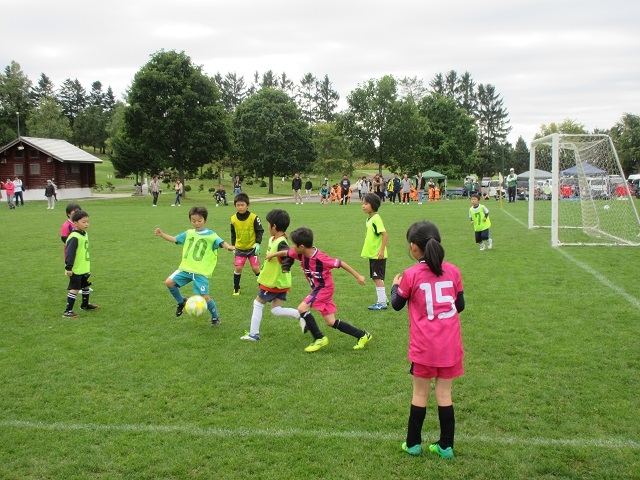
[[567, 142]]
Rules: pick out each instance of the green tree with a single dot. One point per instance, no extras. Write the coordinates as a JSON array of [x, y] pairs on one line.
[[91, 127], [332, 148], [232, 90], [566, 126], [366, 122], [73, 99], [270, 136], [175, 117], [48, 121], [307, 97], [43, 90], [626, 137], [521, 157], [15, 98], [493, 128], [450, 139], [326, 100]]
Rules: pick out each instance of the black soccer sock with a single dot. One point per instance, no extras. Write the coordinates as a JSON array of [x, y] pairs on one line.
[[447, 426], [71, 299], [236, 281], [312, 326], [85, 297], [414, 429], [349, 329]]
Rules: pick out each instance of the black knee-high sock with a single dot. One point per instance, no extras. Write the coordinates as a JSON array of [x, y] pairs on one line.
[[349, 329], [414, 429], [312, 326], [85, 297], [236, 281], [447, 426], [71, 299]]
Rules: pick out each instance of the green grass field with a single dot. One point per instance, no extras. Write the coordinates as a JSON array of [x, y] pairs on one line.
[[130, 391]]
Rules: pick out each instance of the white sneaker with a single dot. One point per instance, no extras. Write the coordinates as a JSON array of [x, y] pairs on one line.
[[489, 244], [482, 246], [173, 204]]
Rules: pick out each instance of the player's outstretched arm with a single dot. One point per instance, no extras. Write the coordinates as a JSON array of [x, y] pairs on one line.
[[281, 253], [350, 269], [159, 233], [226, 246]]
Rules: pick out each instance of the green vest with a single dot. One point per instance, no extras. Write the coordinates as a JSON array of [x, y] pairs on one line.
[[477, 214], [81, 264], [245, 231], [198, 254], [271, 275], [373, 238]]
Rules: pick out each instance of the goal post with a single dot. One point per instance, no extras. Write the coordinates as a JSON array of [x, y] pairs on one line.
[[578, 190]]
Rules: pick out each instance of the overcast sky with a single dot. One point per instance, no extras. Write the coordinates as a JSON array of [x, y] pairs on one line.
[[549, 60]]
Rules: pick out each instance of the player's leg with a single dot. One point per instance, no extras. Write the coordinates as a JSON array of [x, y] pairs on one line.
[[86, 291], [417, 413], [444, 446], [173, 283], [256, 316], [279, 311], [377, 270], [201, 287], [328, 311], [239, 262], [319, 340]]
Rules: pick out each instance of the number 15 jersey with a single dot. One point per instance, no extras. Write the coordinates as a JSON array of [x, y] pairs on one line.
[[200, 251], [435, 339]]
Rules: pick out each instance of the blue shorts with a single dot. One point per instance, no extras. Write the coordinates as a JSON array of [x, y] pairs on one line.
[[200, 282]]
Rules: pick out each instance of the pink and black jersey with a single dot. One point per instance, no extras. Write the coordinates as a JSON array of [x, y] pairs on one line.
[[317, 268], [434, 326]]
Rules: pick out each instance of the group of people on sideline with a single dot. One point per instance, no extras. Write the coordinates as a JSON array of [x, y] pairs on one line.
[[13, 192]]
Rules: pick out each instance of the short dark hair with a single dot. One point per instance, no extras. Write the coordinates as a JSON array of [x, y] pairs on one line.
[[72, 207], [373, 200], [302, 236], [79, 215], [241, 197], [474, 195], [279, 218], [202, 211]]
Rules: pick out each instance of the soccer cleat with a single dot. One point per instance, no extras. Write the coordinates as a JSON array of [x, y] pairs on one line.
[[443, 452], [89, 306], [215, 321], [415, 450], [482, 246], [317, 344], [303, 325], [489, 244], [180, 308], [253, 337], [70, 314], [173, 204], [236, 292], [362, 341], [378, 306]]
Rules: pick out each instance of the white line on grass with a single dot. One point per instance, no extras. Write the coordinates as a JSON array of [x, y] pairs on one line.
[[601, 278], [294, 432]]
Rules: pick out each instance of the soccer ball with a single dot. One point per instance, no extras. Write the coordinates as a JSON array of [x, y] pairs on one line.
[[195, 306], [607, 207]]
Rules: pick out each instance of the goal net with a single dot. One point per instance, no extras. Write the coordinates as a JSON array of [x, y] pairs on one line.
[[578, 190]]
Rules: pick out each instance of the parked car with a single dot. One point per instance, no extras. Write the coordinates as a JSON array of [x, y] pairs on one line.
[[495, 188], [522, 190]]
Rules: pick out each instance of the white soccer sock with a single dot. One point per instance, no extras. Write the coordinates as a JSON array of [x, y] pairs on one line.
[[382, 295], [285, 312], [256, 317]]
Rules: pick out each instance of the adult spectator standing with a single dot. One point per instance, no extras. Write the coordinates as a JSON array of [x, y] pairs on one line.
[[420, 184], [296, 186], [377, 186], [17, 183], [237, 186], [50, 192], [154, 188], [9, 190], [345, 187], [512, 182], [179, 189]]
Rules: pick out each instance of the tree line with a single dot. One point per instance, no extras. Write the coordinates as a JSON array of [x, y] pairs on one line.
[[177, 119]]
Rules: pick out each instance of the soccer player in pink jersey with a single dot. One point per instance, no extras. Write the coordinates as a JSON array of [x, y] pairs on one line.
[[317, 267], [434, 291]]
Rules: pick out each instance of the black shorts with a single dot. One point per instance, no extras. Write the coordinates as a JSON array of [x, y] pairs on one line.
[[482, 235], [268, 296], [377, 268], [79, 282]]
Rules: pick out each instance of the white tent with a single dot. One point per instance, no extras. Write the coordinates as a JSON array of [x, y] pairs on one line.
[[539, 174]]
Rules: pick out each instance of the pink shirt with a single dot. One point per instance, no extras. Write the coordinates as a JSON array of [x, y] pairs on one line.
[[317, 268], [435, 339], [9, 188]]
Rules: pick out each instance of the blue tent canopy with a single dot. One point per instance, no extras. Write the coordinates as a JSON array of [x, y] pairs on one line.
[[587, 167]]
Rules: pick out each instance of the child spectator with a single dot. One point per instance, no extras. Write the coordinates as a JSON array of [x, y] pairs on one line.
[[375, 248], [246, 237], [274, 280], [432, 190], [317, 267], [77, 264], [479, 217], [308, 188], [199, 258], [433, 289], [406, 188], [324, 194]]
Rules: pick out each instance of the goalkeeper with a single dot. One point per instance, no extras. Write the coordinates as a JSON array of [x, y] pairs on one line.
[[246, 237]]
